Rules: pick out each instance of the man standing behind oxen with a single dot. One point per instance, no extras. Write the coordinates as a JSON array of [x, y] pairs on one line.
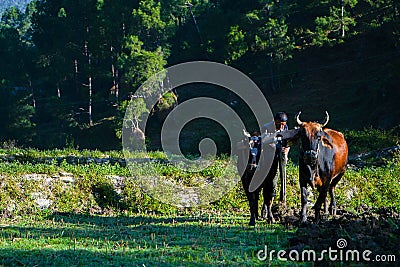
[[281, 157]]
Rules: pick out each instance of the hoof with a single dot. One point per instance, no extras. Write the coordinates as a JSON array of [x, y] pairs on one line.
[[332, 211], [317, 219], [304, 223], [303, 219], [252, 223], [264, 212], [270, 219]]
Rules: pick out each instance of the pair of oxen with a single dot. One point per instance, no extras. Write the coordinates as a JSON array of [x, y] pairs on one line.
[[323, 156]]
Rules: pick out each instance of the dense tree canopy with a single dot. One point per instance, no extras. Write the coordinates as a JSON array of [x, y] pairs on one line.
[[66, 66]]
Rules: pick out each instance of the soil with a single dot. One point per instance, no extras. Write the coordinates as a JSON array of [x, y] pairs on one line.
[[377, 230]]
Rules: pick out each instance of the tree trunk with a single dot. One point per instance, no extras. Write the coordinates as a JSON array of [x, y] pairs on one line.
[[395, 9], [114, 71], [90, 101], [87, 53], [76, 76], [33, 95], [117, 86], [342, 18], [271, 64], [58, 90]]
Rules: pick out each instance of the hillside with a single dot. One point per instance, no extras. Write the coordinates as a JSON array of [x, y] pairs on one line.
[[357, 82], [68, 69]]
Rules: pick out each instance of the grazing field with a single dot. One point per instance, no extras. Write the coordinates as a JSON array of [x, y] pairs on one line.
[[137, 240], [84, 208]]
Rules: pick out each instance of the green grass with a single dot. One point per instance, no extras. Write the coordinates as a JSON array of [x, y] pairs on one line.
[[138, 240], [93, 188], [370, 139]]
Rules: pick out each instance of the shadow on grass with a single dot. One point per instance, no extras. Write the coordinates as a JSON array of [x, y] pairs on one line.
[[68, 239], [83, 257], [84, 240], [135, 220]]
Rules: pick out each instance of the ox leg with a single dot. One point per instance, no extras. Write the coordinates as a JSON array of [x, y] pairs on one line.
[[326, 205], [253, 204], [253, 201], [318, 204], [269, 190], [303, 215], [267, 207], [252, 197], [305, 175], [332, 206]]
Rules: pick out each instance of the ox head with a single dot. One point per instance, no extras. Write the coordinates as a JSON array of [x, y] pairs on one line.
[[312, 137], [255, 147]]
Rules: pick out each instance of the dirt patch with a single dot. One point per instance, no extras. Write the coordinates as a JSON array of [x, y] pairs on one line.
[[377, 230]]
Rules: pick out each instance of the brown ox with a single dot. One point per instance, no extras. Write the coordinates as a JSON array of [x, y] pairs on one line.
[[322, 163]]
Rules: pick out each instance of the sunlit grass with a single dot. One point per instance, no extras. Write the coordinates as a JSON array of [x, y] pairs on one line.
[[191, 240]]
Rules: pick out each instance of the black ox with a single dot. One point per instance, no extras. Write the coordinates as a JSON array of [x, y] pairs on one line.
[[253, 162], [247, 166]]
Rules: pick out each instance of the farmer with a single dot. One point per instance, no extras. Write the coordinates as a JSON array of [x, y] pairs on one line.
[[281, 125], [281, 155]]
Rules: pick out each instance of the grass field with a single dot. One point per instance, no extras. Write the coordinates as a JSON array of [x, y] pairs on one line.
[[137, 240]]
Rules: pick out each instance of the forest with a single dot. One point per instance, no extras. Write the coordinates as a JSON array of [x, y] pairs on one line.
[[68, 68]]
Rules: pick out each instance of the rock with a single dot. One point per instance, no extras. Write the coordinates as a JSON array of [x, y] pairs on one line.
[[67, 179], [48, 181], [118, 183], [96, 210], [350, 193], [11, 207], [62, 173], [36, 195], [33, 177], [43, 203]]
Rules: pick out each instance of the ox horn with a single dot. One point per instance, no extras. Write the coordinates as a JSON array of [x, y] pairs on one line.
[[326, 120], [297, 117]]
